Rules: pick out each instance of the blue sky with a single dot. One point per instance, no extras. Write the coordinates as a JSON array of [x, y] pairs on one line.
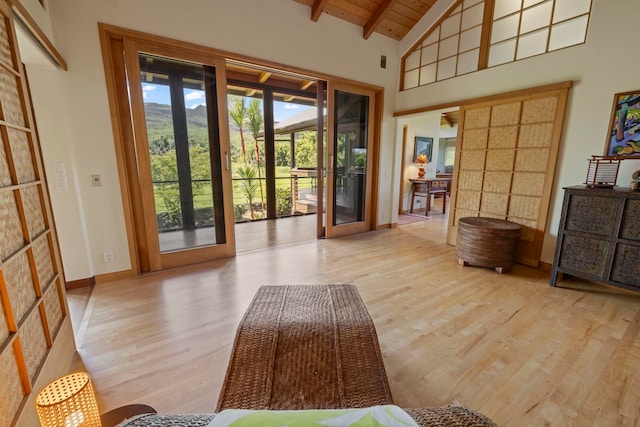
[[160, 95]]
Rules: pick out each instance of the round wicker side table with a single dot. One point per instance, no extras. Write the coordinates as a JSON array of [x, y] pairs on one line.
[[487, 242]]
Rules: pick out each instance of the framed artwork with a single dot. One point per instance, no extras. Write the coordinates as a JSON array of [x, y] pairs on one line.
[[423, 145], [623, 137]]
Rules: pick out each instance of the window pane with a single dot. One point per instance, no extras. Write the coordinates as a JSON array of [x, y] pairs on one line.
[[505, 29], [506, 7], [566, 9], [447, 68], [448, 47], [428, 74], [412, 61], [473, 16], [411, 79], [468, 62], [429, 54], [536, 17], [502, 52], [470, 39], [533, 44], [568, 33], [450, 26]]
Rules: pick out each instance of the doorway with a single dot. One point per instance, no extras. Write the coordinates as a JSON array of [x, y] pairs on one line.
[[193, 179]]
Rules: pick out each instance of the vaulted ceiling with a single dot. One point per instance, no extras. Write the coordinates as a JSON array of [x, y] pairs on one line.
[[391, 18]]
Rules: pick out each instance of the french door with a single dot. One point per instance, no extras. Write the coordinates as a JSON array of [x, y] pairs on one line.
[[182, 200], [350, 153]]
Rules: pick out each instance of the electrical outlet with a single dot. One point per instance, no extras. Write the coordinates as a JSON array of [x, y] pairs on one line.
[[96, 180], [108, 257]]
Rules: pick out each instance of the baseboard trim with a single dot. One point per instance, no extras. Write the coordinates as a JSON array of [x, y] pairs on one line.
[[383, 226], [112, 277], [545, 266], [82, 283]]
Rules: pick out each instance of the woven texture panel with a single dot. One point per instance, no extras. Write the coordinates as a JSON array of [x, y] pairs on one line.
[[535, 136], [477, 118], [10, 387], [524, 207], [12, 238], [470, 180], [5, 175], [494, 203], [33, 210], [53, 309], [472, 159], [10, 98], [504, 137], [497, 182], [475, 139], [528, 183], [22, 294], [500, 160], [33, 342], [42, 256], [469, 200], [506, 114], [5, 48], [21, 154], [532, 160], [539, 110]]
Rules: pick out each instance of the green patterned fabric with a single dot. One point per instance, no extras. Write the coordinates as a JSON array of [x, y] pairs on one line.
[[375, 416]]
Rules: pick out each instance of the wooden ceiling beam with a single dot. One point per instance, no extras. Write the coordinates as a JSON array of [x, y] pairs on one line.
[[317, 8], [448, 119], [306, 84], [377, 17]]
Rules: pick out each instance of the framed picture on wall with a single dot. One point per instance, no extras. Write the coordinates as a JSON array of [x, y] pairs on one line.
[[623, 137], [423, 145]]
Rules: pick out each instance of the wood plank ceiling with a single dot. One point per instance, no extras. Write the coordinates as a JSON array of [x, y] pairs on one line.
[[391, 18]]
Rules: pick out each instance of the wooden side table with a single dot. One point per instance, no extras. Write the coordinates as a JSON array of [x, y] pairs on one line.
[[115, 416]]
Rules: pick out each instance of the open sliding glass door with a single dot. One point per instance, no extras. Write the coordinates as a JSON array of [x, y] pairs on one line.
[[183, 201], [350, 128]]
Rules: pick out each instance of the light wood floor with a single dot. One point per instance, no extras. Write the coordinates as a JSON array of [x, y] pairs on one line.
[[509, 346]]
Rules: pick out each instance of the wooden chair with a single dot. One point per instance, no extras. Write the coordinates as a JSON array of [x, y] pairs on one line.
[[436, 188]]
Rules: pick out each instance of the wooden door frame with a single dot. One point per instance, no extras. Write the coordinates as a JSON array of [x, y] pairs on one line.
[[111, 38], [372, 161]]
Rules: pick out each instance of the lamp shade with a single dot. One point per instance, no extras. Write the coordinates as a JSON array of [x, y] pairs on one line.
[[68, 402]]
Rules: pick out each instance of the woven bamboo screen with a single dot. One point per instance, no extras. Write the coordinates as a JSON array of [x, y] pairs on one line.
[[32, 307], [505, 164]]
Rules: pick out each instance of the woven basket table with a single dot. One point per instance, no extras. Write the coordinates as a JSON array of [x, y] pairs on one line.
[[305, 347], [487, 242]]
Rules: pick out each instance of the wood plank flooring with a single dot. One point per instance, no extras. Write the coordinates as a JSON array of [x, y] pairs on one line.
[[510, 346]]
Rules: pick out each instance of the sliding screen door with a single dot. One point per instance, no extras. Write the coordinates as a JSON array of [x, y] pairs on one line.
[[505, 162], [179, 115], [350, 149]]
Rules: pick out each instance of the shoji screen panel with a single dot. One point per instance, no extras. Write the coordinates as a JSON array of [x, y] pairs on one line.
[[505, 164], [32, 305]]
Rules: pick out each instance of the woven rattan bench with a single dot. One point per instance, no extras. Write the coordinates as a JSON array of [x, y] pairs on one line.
[[304, 347]]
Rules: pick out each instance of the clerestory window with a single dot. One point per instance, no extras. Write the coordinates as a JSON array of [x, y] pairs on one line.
[[476, 34]]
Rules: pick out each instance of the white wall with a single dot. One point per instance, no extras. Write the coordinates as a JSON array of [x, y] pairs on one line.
[[74, 119], [600, 68]]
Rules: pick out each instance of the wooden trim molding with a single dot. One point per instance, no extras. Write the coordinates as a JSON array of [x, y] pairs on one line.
[[112, 277], [81, 283], [25, 20], [520, 92]]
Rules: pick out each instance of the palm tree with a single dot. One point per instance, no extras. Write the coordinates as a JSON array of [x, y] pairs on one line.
[[249, 185], [255, 120], [238, 113]]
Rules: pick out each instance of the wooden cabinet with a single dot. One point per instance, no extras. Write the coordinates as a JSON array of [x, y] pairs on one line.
[[599, 236]]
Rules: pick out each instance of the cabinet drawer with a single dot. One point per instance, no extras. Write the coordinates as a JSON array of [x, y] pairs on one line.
[[592, 214], [585, 255], [626, 265]]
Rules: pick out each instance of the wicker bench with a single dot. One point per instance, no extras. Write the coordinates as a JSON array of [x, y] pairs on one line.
[[305, 347]]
